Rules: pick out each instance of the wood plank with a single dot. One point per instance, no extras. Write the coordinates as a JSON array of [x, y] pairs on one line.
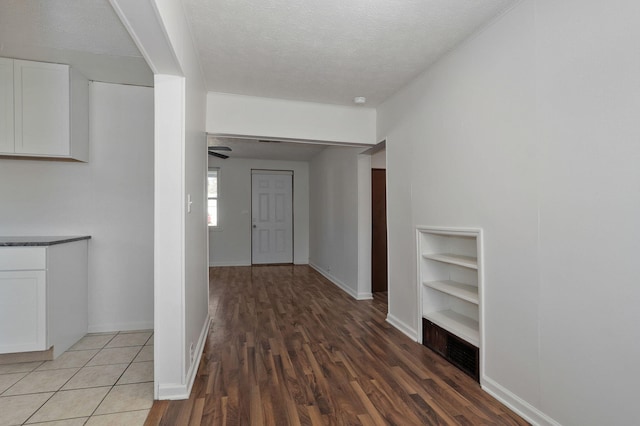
[[287, 347], [156, 413]]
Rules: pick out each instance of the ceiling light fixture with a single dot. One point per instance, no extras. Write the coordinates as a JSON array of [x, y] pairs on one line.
[[359, 100]]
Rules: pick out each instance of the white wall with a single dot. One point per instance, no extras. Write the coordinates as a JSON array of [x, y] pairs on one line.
[[196, 238], [109, 198], [161, 32], [169, 251], [334, 204], [588, 107], [379, 160], [182, 110], [230, 243], [279, 118], [530, 131]]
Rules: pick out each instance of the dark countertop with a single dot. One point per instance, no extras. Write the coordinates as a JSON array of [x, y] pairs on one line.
[[39, 241]]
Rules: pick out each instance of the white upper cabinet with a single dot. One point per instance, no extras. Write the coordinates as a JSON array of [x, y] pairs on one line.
[[6, 106], [42, 108], [50, 112]]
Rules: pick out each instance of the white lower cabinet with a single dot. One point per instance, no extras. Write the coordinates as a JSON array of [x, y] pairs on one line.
[[43, 297], [23, 319]]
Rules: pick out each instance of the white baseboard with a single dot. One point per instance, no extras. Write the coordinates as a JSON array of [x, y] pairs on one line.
[[197, 356], [408, 331], [183, 390], [123, 326], [171, 391], [301, 262], [365, 296], [342, 286], [214, 264], [517, 404]]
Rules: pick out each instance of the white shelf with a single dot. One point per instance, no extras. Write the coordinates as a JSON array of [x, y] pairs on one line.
[[454, 259], [456, 289], [464, 327]]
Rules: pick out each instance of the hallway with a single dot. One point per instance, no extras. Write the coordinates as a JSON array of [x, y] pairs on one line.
[[287, 347]]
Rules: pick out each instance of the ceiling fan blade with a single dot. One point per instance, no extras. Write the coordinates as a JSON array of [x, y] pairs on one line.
[[219, 148], [216, 154]]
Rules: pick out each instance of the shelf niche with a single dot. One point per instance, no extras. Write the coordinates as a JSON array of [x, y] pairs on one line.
[[450, 288]]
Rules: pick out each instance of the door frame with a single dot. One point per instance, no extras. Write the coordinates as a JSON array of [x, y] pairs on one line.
[[293, 211]]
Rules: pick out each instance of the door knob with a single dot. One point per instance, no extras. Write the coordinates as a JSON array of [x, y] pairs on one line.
[[254, 226]]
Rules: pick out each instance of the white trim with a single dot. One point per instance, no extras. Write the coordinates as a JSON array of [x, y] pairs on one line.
[[342, 286], [123, 326], [517, 404], [197, 355], [283, 139], [180, 390], [172, 391], [169, 230], [408, 331], [216, 227], [364, 226], [271, 172], [143, 23], [241, 263]]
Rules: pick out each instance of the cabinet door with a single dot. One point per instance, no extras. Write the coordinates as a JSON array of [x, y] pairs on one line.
[[41, 93], [23, 316], [6, 106]]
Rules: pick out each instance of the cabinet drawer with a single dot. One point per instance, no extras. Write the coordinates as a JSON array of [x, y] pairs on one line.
[[22, 258]]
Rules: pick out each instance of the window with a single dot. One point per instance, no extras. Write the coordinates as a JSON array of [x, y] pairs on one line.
[[212, 197]]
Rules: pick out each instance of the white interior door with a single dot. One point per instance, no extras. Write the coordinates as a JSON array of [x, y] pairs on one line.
[[272, 217]]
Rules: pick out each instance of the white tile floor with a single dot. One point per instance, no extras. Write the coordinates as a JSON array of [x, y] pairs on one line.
[[104, 379]]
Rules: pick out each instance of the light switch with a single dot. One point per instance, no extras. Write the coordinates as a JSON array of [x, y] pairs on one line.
[[189, 202]]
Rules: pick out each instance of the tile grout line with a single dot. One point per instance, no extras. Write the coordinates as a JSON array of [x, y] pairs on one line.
[[61, 386], [36, 410], [114, 383], [84, 365], [93, 413]]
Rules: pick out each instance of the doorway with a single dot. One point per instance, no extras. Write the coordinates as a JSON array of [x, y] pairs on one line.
[[378, 230], [271, 217]]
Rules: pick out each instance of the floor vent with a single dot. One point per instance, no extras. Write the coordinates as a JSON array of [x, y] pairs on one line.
[[460, 353]]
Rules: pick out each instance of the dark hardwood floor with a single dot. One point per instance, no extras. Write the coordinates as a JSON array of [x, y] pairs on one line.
[[287, 347]]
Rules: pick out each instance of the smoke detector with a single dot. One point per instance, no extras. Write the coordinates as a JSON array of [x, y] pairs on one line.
[[359, 100]]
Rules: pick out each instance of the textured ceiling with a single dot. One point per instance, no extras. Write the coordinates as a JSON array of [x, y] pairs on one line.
[[321, 51], [87, 34], [331, 50]]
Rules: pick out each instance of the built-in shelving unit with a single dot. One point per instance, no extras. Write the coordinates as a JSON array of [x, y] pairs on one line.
[[450, 290]]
